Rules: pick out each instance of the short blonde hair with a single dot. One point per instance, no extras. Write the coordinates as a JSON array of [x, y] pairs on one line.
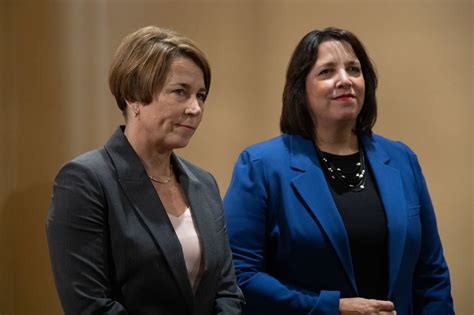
[[142, 62]]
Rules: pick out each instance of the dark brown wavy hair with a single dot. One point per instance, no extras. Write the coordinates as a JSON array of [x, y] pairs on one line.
[[295, 117]]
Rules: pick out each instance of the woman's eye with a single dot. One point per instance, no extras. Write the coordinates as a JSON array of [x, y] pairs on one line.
[[325, 72], [354, 69], [201, 96], [180, 92]]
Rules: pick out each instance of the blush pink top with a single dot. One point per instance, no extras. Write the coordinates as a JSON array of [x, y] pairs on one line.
[[188, 237]]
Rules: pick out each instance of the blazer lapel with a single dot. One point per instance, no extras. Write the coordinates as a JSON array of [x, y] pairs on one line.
[[390, 188], [203, 218], [311, 185], [143, 197]]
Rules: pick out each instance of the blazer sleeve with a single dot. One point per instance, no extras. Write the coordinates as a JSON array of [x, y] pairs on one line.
[[246, 205], [431, 283], [76, 229]]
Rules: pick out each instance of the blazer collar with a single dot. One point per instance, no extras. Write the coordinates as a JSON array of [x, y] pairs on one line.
[[142, 195], [198, 198], [312, 186], [391, 191]]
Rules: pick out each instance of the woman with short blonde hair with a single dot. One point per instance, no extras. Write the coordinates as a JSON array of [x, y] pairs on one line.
[[132, 227]]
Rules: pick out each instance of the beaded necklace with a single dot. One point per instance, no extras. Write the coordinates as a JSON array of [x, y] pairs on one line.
[[353, 179]]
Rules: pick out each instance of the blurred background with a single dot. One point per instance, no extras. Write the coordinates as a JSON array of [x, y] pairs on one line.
[[55, 103]]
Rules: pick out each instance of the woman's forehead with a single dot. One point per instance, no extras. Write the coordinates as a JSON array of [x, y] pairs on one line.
[[335, 49]]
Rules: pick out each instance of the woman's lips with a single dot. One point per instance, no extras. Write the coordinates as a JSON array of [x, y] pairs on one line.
[[344, 97], [187, 127]]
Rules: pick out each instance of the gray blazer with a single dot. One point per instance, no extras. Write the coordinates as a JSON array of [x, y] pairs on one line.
[[113, 249]]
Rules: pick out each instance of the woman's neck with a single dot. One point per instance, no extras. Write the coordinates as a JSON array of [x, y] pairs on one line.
[[339, 142], [156, 161]]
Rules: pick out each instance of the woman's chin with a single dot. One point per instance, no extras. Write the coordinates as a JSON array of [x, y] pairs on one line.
[[178, 143], [345, 118]]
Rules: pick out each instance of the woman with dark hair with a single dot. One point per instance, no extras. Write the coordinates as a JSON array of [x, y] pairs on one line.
[[329, 218], [132, 227]]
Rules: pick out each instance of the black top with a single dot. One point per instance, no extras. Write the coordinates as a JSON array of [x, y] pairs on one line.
[[366, 225]]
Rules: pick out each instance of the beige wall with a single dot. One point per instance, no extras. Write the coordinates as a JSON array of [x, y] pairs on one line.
[[55, 104]]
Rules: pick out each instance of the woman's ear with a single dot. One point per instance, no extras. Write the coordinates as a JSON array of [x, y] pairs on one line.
[[133, 107]]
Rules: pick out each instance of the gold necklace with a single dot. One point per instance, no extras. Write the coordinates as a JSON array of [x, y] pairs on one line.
[[165, 179]]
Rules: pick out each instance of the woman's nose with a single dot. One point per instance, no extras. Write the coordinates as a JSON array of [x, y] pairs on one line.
[[344, 80], [193, 107]]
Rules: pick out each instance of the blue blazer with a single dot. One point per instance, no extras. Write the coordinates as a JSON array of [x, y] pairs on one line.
[[290, 247]]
